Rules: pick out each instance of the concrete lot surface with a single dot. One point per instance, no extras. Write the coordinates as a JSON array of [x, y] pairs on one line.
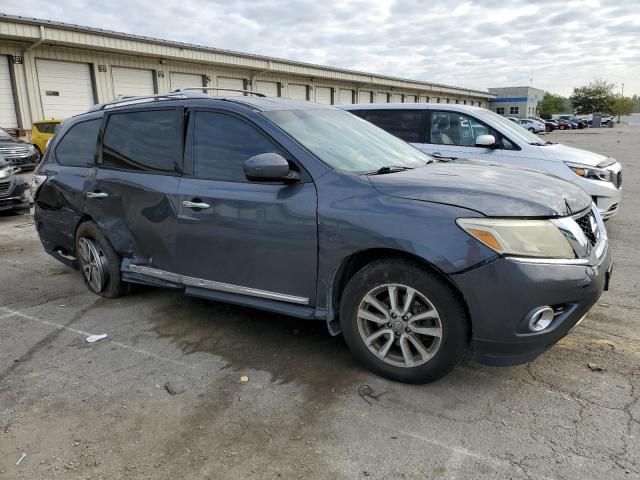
[[105, 411]]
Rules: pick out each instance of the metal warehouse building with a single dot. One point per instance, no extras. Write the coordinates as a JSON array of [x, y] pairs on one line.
[[520, 102], [56, 70]]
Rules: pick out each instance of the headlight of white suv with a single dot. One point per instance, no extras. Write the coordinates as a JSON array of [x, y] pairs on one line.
[[6, 172], [526, 238], [593, 173]]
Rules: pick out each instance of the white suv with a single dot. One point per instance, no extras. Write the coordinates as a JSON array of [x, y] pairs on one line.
[[462, 131]]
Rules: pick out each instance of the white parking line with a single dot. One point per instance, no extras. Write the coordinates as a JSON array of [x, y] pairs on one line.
[[10, 313]]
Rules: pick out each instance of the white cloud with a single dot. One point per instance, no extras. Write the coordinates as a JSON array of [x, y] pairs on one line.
[[476, 44]]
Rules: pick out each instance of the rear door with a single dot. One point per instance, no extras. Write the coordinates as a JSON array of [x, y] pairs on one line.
[[132, 194], [251, 238]]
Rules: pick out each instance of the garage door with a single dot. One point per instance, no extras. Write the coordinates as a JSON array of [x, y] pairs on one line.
[[364, 96], [323, 95], [298, 92], [345, 96], [132, 81], [270, 89], [382, 97], [8, 117], [409, 99], [231, 83], [423, 99], [396, 98], [185, 80], [65, 88]]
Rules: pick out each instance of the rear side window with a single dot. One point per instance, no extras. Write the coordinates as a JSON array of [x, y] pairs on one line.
[[147, 141], [48, 127], [222, 143], [409, 125], [78, 147]]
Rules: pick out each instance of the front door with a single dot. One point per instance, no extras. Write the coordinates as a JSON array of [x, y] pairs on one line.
[[132, 193], [252, 238], [453, 134]]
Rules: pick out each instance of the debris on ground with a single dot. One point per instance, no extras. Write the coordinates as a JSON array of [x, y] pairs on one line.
[[173, 389], [22, 457], [244, 378], [95, 338], [594, 367]]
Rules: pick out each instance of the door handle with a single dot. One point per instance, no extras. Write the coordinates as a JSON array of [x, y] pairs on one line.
[[97, 195], [188, 204]]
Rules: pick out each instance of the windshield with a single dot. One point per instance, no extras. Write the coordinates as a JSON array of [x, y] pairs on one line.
[[511, 129], [346, 142]]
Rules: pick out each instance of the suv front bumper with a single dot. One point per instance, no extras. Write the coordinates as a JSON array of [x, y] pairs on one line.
[[501, 295]]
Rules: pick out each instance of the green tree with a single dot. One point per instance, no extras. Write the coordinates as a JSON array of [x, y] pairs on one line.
[[596, 97], [621, 106], [551, 104]]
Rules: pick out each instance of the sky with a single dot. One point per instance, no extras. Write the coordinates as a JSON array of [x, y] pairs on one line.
[[549, 44]]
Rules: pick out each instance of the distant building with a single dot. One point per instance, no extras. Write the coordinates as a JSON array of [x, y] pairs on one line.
[[519, 102]]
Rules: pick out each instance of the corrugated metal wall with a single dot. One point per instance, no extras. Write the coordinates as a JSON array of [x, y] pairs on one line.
[[207, 64]]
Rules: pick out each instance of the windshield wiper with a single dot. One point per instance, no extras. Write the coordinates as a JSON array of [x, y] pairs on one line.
[[389, 169], [537, 144]]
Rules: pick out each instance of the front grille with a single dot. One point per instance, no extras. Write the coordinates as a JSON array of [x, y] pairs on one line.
[[589, 227], [14, 152], [619, 179], [6, 187]]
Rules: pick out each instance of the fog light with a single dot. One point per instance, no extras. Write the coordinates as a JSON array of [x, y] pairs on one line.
[[540, 318]]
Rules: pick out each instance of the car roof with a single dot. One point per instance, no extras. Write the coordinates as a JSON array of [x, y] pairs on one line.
[[455, 107], [51, 120]]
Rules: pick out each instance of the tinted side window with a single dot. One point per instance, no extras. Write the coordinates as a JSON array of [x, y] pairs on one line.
[[451, 128], [408, 125], [78, 147], [221, 145], [148, 141], [48, 127]]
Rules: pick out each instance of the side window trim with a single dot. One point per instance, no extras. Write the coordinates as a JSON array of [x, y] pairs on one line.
[[189, 150], [179, 111]]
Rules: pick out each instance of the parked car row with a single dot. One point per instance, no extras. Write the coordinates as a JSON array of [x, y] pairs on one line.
[[316, 212]]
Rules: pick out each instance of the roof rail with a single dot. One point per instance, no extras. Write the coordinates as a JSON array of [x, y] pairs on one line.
[[122, 101], [193, 89]]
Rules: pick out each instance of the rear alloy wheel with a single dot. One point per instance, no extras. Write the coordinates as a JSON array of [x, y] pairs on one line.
[[403, 321], [99, 262]]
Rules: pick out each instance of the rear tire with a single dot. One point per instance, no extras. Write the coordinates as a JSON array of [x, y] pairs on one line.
[[532, 130], [403, 322], [99, 262]]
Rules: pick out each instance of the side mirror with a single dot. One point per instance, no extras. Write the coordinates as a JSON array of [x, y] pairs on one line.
[[269, 167], [486, 141]]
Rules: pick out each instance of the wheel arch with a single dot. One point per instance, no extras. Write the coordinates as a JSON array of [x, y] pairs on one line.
[[358, 260]]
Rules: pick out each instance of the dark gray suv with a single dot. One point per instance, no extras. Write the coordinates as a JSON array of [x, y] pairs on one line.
[[309, 211]]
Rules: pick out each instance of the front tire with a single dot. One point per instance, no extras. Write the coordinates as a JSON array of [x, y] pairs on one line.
[[532, 130], [99, 262], [403, 322]]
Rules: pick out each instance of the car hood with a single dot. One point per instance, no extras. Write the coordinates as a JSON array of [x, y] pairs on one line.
[[490, 190], [570, 154]]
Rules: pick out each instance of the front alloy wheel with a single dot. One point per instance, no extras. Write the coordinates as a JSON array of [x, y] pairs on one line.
[[399, 325]]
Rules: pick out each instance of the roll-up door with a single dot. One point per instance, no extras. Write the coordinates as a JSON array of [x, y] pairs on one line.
[[364, 96], [423, 99], [396, 98], [270, 89], [409, 99], [231, 83], [298, 92], [65, 88], [323, 95], [8, 118], [345, 96], [185, 80], [382, 97], [132, 81]]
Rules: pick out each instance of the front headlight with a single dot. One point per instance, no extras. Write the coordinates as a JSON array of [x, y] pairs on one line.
[[7, 172], [32, 149], [526, 238], [592, 173]]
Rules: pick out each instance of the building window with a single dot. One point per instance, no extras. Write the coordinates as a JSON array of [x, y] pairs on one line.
[[500, 110], [514, 110]]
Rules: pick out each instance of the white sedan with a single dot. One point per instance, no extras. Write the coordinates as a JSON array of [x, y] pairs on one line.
[[532, 125]]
